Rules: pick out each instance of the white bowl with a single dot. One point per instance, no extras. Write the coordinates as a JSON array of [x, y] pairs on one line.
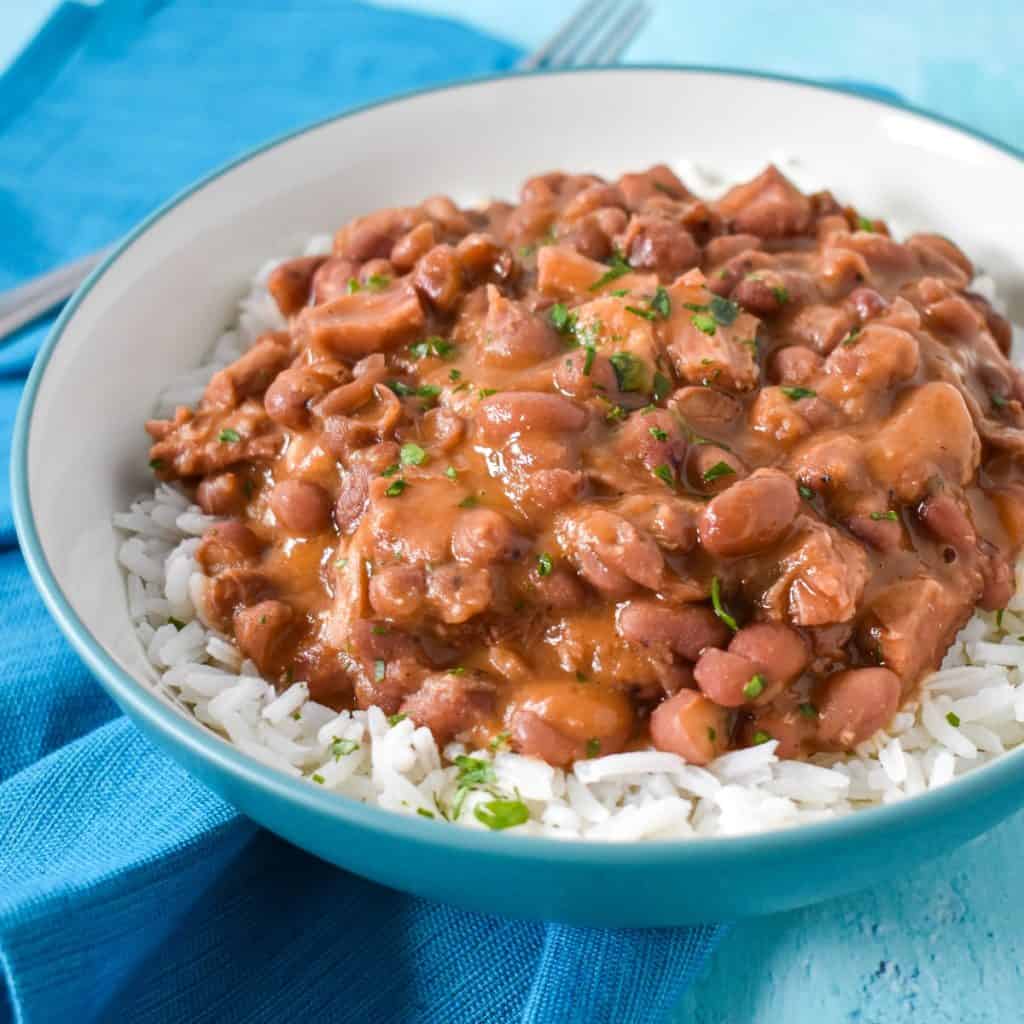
[[156, 306]]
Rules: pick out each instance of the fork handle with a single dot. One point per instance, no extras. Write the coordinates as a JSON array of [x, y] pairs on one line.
[[23, 304]]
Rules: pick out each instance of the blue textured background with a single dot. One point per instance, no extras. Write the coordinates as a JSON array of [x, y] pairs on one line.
[[943, 945]]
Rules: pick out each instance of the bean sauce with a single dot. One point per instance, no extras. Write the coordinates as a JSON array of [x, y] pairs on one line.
[[613, 466]]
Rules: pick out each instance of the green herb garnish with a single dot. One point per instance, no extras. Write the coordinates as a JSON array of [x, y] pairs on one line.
[[229, 436], [378, 282], [424, 813], [665, 473], [412, 455], [593, 747], [353, 286], [390, 470], [953, 718], [808, 710], [428, 392], [432, 346], [469, 501], [705, 323], [851, 338], [755, 687], [863, 224], [890, 516], [544, 565], [395, 488], [795, 394], [646, 314], [452, 473], [716, 603], [393, 720], [661, 387], [156, 463], [474, 773], [500, 741], [806, 493], [781, 294], [662, 303], [499, 814], [317, 778], [717, 471], [454, 375], [618, 266], [723, 310], [761, 737], [342, 748], [630, 372], [998, 401], [657, 433], [562, 319], [176, 623], [588, 363]]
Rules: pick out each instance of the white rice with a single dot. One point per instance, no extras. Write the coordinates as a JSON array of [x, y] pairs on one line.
[[622, 797]]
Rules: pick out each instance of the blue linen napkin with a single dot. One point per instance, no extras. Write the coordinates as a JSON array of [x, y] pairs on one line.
[[128, 892]]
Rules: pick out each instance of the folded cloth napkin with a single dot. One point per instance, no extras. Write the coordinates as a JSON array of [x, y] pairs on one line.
[[127, 891]]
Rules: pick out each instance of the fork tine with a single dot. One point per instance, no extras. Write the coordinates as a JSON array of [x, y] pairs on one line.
[[559, 48], [617, 38]]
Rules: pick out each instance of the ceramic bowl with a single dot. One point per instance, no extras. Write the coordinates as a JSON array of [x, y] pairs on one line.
[[156, 305]]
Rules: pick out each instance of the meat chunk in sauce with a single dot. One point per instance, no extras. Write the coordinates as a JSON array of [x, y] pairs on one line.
[[614, 466]]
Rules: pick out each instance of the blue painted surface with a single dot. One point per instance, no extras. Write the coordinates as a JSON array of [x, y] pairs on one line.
[[944, 943]]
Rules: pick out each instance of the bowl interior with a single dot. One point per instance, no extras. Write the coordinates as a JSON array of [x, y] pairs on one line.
[[158, 306]]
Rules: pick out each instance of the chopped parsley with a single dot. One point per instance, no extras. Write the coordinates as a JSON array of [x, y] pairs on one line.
[[176, 623], [808, 710], [851, 338], [393, 720], [863, 224], [156, 463], [562, 319], [317, 778], [999, 618], [795, 394], [630, 372], [342, 748], [452, 473], [353, 286], [544, 565], [705, 323], [395, 488], [998, 401], [661, 303], [720, 609], [953, 718], [424, 813], [658, 434], [717, 471], [454, 375], [500, 741], [486, 392], [618, 265], [593, 747], [390, 470], [889, 516], [619, 292], [616, 412], [724, 310], [474, 773], [400, 388], [712, 734], [805, 492], [646, 314], [379, 669], [499, 814], [761, 737], [412, 455], [378, 282], [755, 687], [580, 676], [379, 630], [432, 346], [468, 502], [428, 392], [781, 294], [229, 436], [588, 363], [665, 473], [662, 386]]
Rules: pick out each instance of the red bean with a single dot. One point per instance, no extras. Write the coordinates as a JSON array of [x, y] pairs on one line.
[[728, 679], [512, 412], [691, 726], [448, 704], [290, 282], [221, 495], [853, 705], [300, 506], [751, 515], [263, 633], [778, 651], [687, 630], [227, 543], [397, 591], [482, 536]]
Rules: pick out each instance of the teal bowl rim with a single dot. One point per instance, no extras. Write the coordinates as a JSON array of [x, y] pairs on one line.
[[134, 695]]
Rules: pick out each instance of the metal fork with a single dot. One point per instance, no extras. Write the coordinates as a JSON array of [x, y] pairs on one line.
[[596, 34]]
